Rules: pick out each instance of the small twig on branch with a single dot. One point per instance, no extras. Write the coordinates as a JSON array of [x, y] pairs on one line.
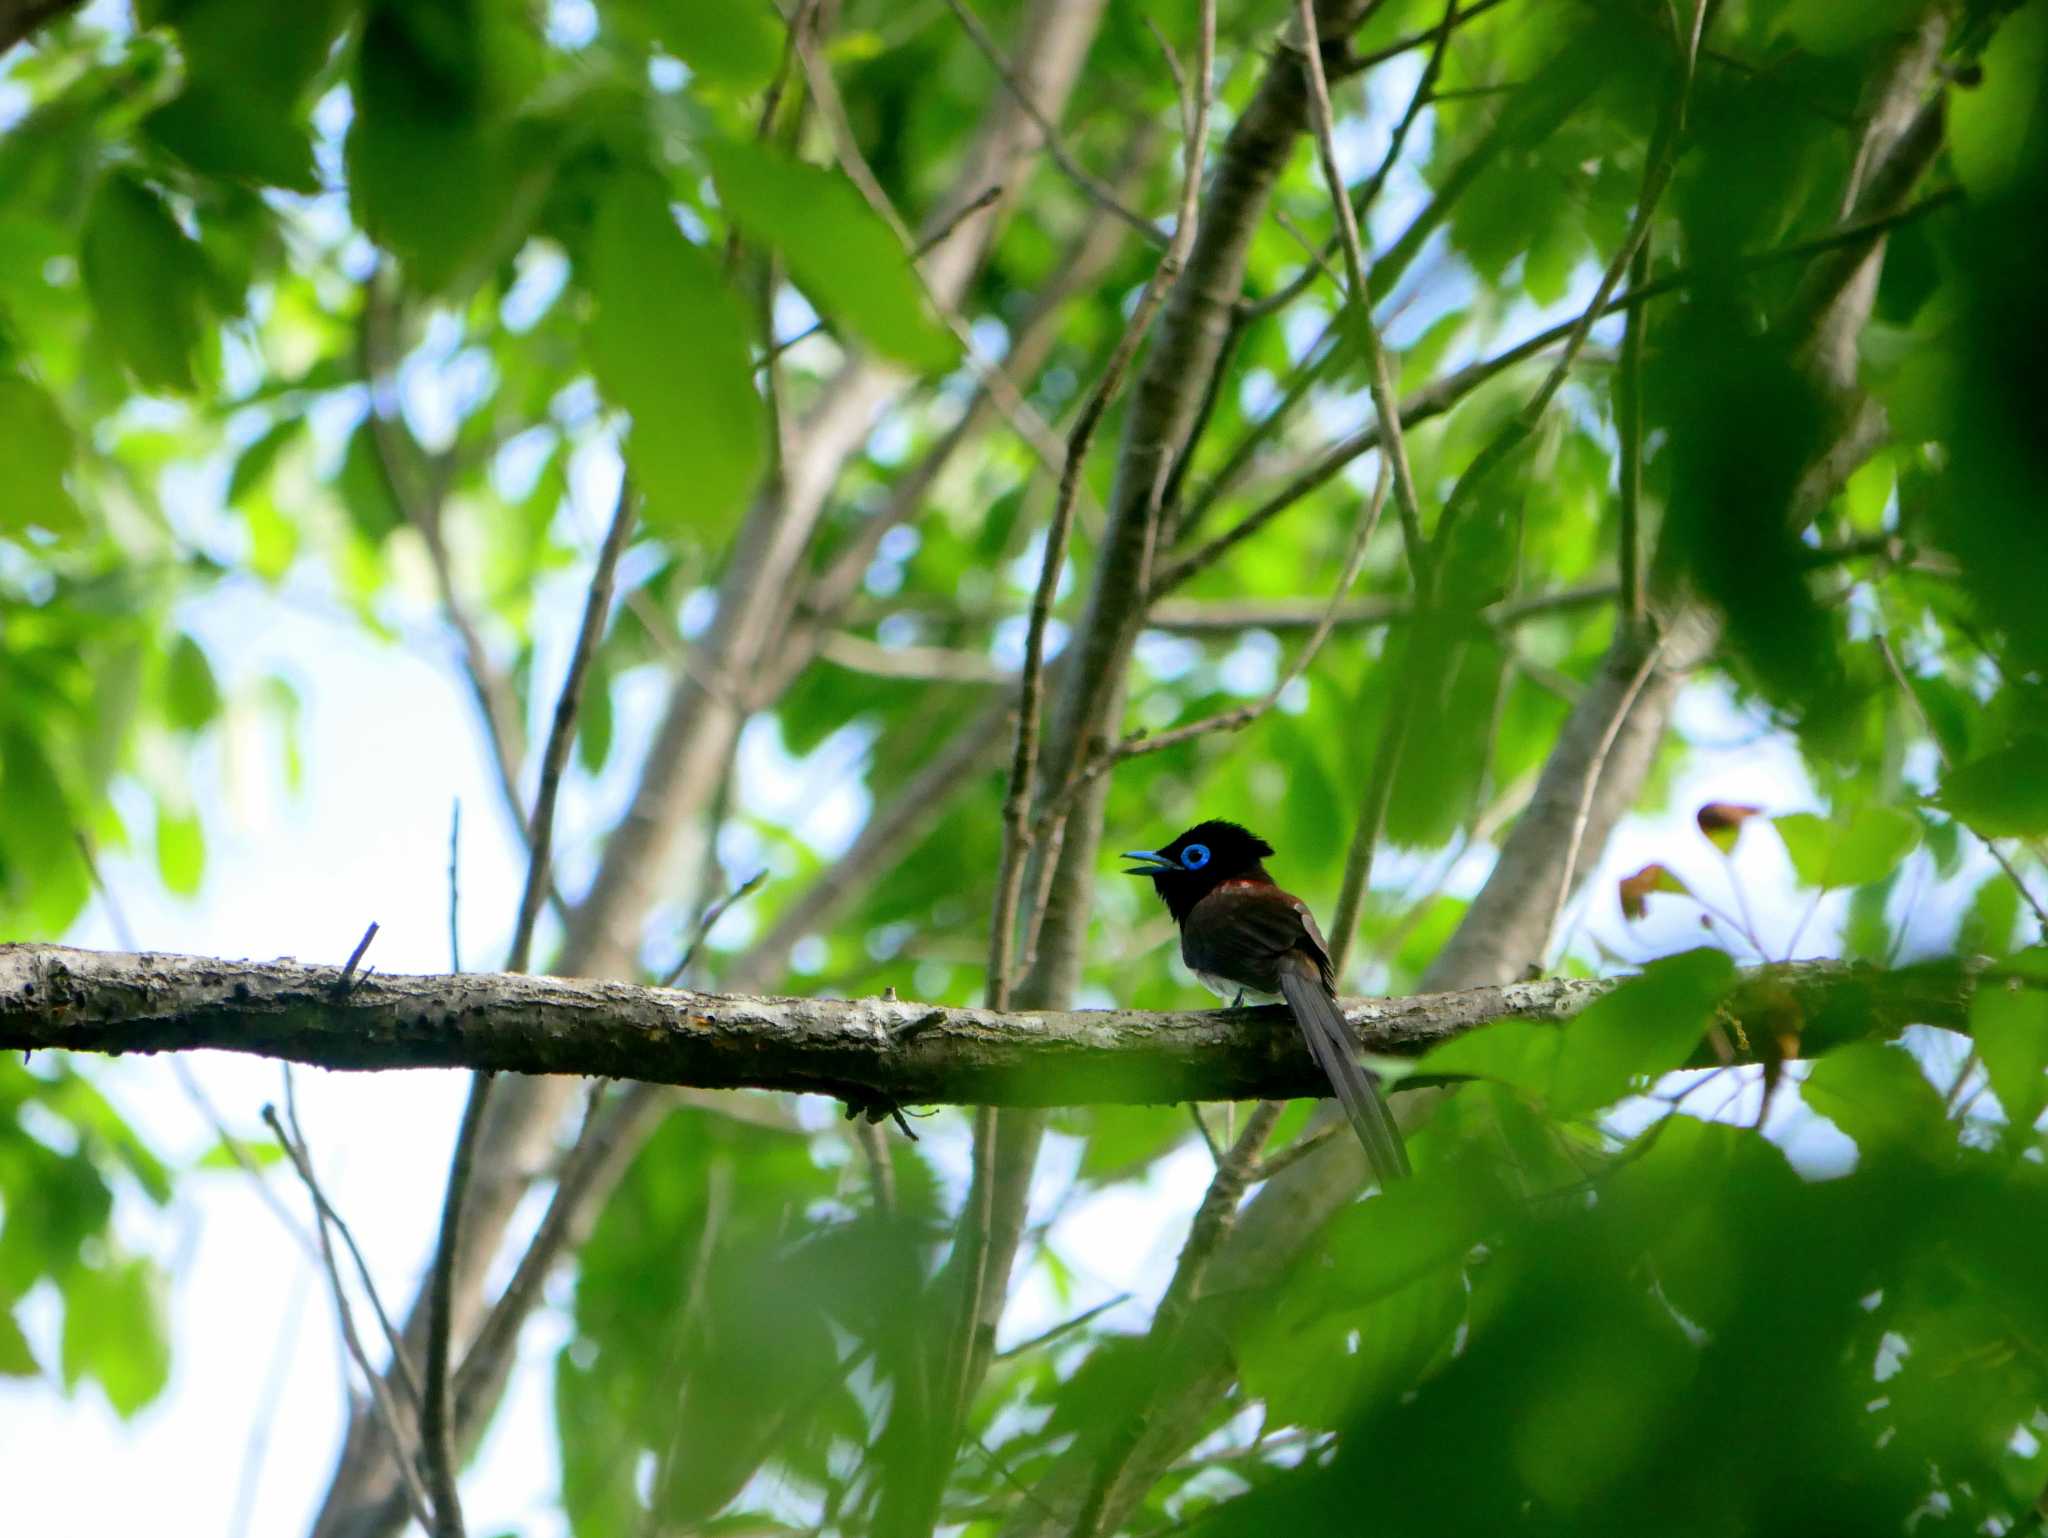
[[348, 972], [454, 888]]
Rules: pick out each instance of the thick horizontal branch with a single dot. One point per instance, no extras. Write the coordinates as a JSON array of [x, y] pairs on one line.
[[864, 1051]]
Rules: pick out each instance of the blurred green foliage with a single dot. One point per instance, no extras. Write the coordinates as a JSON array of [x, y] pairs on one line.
[[233, 239]]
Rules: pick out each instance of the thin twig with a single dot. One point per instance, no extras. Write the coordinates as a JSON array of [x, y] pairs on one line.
[[1662, 158], [348, 971], [1017, 835], [555, 758], [1385, 403], [1212, 1224], [454, 887], [1891, 660], [380, 1391], [712, 913], [1104, 196], [423, 509], [1002, 390], [1596, 767], [1064, 1328], [1628, 426], [437, 1422], [1243, 715]]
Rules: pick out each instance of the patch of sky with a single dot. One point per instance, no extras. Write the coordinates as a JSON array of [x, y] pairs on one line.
[[540, 272], [571, 23]]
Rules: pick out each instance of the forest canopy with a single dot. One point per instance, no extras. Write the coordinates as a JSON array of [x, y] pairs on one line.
[[1559, 471]]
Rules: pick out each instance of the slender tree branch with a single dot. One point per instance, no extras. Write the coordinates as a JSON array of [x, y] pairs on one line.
[[1628, 427], [1359, 296], [1626, 702]]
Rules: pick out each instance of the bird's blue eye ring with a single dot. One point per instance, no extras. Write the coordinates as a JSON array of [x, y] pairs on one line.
[[1194, 857]]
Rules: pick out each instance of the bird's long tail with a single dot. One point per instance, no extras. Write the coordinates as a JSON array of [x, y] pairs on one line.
[[1329, 1043]]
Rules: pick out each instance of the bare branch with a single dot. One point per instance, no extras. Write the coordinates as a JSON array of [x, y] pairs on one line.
[[1359, 295], [387, 1414], [56, 997], [555, 757]]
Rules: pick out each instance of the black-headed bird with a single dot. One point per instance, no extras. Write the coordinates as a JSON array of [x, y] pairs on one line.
[[1240, 933]]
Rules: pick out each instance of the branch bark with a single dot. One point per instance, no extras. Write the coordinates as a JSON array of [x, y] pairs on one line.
[[58, 998]]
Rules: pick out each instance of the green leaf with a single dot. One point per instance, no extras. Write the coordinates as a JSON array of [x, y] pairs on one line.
[[36, 449], [1880, 1099], [669, 345], [191, 697], [115, 1332], [246, 69], [253, 464], [180, 850], [1647, 1026], [148, 281], [837, 248], [222, 1157], [2010, 1027], [364, 487], [1996, 127], [1830, 26], [733, 42], [594, 720], [2003, 794], [1513, 1052], [16, 1360], [438, 174], [1866, 846]]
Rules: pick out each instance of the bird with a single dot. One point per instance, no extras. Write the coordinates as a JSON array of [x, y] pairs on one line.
[[1241, 933]]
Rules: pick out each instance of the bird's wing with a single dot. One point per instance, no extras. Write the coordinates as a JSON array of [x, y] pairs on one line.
[[1241, 931]]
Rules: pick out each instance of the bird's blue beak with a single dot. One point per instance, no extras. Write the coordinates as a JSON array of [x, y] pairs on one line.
[[1157, 862]]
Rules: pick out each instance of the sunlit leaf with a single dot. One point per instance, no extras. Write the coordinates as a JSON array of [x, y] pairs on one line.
[[1721, 822], [180, 850], [147, 280], [1635, 890], [728, 41], [191, 697], [1880, 1099], [36, 451], [116, 1333], [670, 346], [2010, 1027], [16, 1359], [837, 248], [1865, 846], [2003, 794], [1647, 1026], [1994, 124]]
